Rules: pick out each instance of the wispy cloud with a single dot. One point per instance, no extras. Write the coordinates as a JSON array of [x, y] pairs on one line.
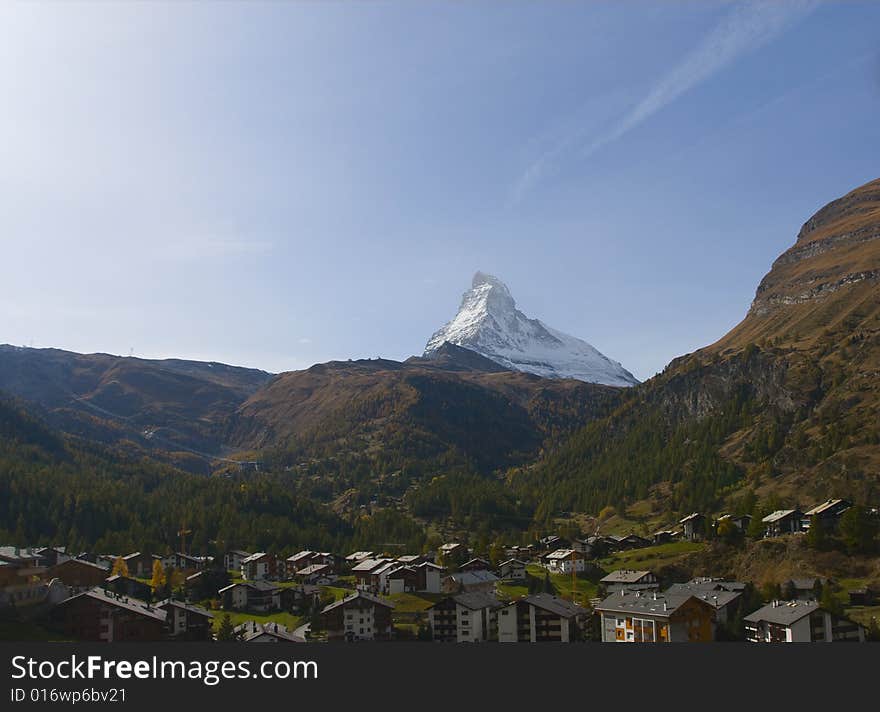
[[744, 29]]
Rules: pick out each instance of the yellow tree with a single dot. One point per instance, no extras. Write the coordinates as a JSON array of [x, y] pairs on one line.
[[120, 567], [158, 579]]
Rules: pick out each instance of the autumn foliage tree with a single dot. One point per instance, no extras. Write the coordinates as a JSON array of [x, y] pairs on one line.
[[119, 567]]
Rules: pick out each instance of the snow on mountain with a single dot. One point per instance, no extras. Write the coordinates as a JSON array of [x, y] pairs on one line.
[[489, 323]]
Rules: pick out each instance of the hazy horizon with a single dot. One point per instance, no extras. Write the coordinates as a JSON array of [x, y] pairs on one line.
[[282, 184]]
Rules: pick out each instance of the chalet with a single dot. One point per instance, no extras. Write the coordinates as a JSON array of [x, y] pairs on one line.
[[665, 536], [232, 559], [829, 512], [79, 574], [357, 557], [298, 561], [259, 566], [103, 616], [360, 616], [363, 573], [693, 526], [140, 564], [782, 521], [803, 589], [542, 618], [127, 586], [19, 586], [23, 558], [53, 555], [476, 564], [866, 596], [254, 632], [553, 542], [524, 553], [652, 617], [379, 576], [258, 596], [185, 562], [800, 622], [465, 618], [429, 577], [740, 521], [512, 570], [630, 580], [469, 582], [452, 553], [403, 579], [316, 575], [630, 541], [725, 602], [412, 559], [591, 547], [564, 561], [187, 621]]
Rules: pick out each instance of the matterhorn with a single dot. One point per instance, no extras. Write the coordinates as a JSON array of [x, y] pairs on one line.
[[489, 323]]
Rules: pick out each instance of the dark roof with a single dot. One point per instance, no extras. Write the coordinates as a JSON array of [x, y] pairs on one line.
[[657, 604], [188, 607], [783, 612], [129, 603], [717, 598], [251, 630], [553, 604], [475, 601], [358, 594], [466, 578]]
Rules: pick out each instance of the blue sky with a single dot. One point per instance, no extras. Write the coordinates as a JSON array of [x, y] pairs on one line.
[[282, 184]]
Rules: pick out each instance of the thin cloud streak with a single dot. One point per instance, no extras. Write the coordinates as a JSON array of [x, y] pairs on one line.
[[746, 28]]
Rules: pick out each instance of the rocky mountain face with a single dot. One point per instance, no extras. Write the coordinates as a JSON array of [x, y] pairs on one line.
[[489, 323], [786, 405]]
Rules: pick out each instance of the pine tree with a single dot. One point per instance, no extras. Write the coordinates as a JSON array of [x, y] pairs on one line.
[[226, 632], [817, 538]]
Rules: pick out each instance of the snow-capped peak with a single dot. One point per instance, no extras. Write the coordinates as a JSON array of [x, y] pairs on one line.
[[489, 323]]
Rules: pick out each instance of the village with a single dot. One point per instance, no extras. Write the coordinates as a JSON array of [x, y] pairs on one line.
[[554, 590]]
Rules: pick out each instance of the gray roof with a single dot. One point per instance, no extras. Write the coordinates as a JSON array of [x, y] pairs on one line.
[[313, 569], [135, 605], [467, 578], [358, 594], [716, 584], [189, 607], [783, 612], [657, 604], [476, 601], [369, 564], [689, 517], [554, 604], [777, 515], [253, 557], [251, 630], [717, 598], [624, 576], [826, 505]]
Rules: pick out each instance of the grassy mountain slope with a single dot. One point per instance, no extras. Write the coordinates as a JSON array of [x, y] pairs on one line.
[[786, 405], [160, 405]]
